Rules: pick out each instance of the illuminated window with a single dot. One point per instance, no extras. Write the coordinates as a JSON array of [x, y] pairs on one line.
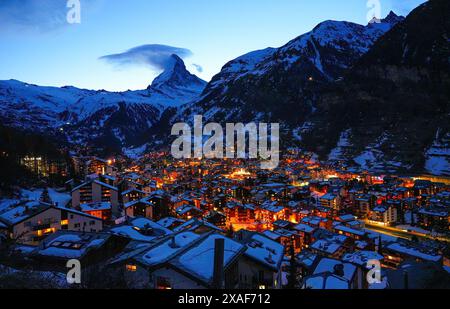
[[64, 222], [262, 287], [132, 268]]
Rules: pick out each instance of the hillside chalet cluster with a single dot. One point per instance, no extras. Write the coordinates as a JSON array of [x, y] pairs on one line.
[[167, 224]]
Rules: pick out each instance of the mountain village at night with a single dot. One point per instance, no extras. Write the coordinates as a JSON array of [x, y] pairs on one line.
[[91, 196]]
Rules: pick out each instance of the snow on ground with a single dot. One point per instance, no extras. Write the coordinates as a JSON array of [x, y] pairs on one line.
[[61, 198], [438, 156], [135, 153], [338, 152], [437, 165], [6, 203], [366, 159]]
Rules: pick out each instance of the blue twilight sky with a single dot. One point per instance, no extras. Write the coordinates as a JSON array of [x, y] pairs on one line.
[[38, 46]]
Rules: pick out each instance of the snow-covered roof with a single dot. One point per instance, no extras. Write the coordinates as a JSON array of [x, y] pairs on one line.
[[166, 249], [198, 260], [304, 228], [346, 218], [265, 250], [346, 229], [71, 245], [327, 246], [133, 203], [362, 257], [414, 251], [17, 213], [328, 197], [195, 223], [100, 206], [329, 265], [169, 221], [141, 229]]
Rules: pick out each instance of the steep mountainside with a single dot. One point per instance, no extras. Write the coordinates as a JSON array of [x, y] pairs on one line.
[[115, 120], [391, 111], [372, 97]]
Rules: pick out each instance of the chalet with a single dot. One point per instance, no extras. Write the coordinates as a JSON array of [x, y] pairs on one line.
[[306, 233], [139, 208], [436, 218], [132, 195], [174, 263], [160, 201], [187, 212], [317, 222], [397, 252], [349, 232], [363, 203], [89, 248], [217, 218], [330, 200], [30, 222], [95, 191]]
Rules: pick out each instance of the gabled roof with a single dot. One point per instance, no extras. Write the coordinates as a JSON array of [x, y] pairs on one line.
[[17, 213], [97, 182]]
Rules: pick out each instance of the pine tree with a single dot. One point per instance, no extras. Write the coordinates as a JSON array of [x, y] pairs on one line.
[[45, 197]]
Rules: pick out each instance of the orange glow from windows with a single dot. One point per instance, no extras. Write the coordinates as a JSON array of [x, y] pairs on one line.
[[132, 268]]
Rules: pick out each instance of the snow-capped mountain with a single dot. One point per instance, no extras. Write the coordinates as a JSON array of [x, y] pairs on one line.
[[374, 97], [115, 118], [270, 82]]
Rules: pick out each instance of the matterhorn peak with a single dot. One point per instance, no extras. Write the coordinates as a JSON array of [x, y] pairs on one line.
[[175, 75]]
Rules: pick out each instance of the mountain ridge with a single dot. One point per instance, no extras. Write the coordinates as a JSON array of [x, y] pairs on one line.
[[94, 116]]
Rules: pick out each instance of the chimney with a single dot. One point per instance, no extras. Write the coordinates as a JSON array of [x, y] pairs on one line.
[[339, 270], [219, 252]]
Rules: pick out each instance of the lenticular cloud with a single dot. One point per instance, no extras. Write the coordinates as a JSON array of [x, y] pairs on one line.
[[153, 55]]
